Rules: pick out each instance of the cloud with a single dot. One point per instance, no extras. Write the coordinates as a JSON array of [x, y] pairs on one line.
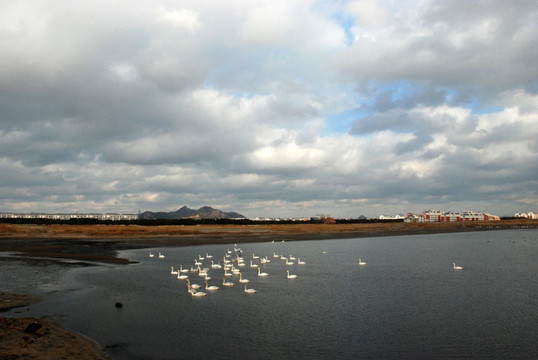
[[268, 108], [182, 18], [472, 48]]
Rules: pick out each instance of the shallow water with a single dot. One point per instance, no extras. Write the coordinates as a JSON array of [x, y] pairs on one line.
[[407, 302]]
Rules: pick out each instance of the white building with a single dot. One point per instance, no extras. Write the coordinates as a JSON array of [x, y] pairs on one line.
[[529, 215], [67, 216], [448, 216]]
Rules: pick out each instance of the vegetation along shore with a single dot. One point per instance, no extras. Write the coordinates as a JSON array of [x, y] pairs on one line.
[[100, 242]]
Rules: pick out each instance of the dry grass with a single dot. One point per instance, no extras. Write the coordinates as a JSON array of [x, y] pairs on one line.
[[99, 243], [16, 231]]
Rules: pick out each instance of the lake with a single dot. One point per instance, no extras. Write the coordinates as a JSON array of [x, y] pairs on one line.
[[407, 302]]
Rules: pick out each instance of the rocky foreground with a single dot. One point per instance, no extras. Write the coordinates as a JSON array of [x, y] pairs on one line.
[[29, 338]]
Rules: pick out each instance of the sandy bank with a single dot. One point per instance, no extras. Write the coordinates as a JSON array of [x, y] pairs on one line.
[[100, 243]]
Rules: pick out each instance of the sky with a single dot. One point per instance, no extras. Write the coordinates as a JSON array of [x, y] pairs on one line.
[[269, 108]]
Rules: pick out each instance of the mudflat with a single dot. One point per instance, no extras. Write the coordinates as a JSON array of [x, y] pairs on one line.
[[100, 243]]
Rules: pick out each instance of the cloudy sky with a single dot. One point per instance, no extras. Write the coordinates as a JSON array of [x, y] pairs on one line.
[[269, 108]]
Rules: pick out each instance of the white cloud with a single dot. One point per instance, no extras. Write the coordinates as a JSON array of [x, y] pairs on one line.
[[269, 108], [183, 18], [370, 13]]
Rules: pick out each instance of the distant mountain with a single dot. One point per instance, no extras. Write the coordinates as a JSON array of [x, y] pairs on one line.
[[205, 212]]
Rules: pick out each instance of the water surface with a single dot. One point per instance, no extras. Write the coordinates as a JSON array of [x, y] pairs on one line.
[[407, 302]]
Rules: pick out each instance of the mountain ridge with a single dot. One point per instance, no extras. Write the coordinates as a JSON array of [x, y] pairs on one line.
[[205, 212]]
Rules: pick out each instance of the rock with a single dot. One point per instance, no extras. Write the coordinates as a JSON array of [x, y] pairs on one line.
[[32, 327], [119, 305]]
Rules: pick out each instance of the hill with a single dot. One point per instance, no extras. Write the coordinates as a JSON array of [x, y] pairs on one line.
[[205, 212]]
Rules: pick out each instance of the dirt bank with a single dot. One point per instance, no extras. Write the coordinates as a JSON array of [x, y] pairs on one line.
[[28, 338], [100, 243]]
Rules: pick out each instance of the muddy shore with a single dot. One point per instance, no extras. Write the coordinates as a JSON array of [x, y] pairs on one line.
[[100, 243], [28, 338]]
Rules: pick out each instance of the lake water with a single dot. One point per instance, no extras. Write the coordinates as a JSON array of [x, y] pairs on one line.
[[407, 302]]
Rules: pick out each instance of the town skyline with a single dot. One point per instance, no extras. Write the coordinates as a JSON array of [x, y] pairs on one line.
[[114, 216]]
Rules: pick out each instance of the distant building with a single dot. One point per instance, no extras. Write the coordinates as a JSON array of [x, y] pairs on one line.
[[391, 217], [68, 216], [529, 215], [447, 216]]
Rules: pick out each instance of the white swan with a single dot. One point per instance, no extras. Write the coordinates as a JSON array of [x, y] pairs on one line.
[[200, 257], [203, 273], [289, 262], [208, 256], [172, 272], [210, 288], [151, 254], [198, 293], [181, 270], [457, 267], [227, 283], [301, 262], [275, 255], [292, 258], [250, 291], [291, 276], [362, 262], [262, 273], [194, 286], [181, 276], [161, 256], [197, 263], [253, 265], [255, 256], [241, 280]]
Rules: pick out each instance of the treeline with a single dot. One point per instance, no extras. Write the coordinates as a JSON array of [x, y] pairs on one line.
[[185, 222]]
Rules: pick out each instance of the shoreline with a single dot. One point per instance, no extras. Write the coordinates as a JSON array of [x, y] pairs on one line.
[[24, 338], [90, 244]]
